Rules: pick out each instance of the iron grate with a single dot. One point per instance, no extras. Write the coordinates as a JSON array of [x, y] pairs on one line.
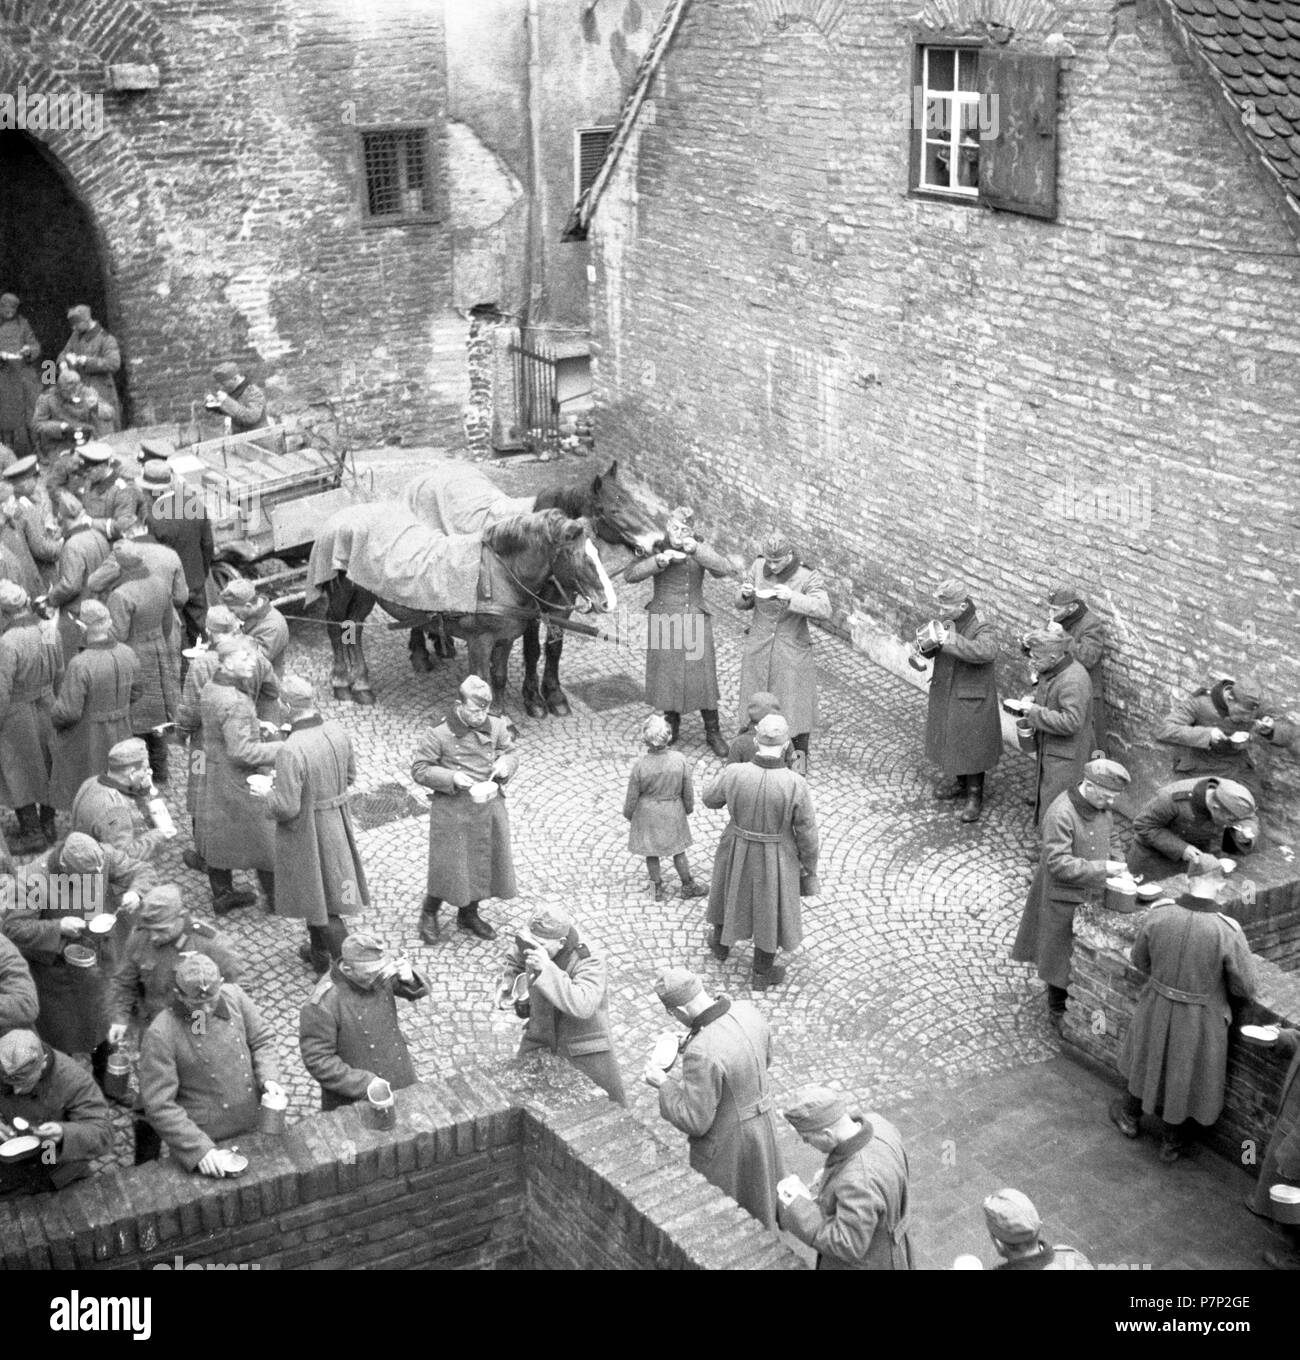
[[388, 803]]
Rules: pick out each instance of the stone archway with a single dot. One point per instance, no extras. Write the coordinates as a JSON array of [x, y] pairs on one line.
[[51, 253]]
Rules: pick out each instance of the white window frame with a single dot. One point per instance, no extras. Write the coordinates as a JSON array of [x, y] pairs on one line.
[[958, 122], [577, 153]]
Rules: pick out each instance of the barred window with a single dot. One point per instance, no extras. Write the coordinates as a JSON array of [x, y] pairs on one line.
[[398, 178], [590, 145]]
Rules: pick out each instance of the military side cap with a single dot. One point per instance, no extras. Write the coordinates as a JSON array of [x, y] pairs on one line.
[[773, 730], [21, 467], [129, 752], [13, 598], [1235, 800], [1065, 594], [82, 854], [197, 977], [677, 986], [93, 613], [127, 554], [551, 924], [297, 692], [96, 451], [361, 948], [161, 904], [1247, 689], [239, 591], [1012, 1217], [765, 700], [225, 374], [19, 1048], [953, 590], [221, 620], [816, 1107], [1046, 637], [1107, 774]]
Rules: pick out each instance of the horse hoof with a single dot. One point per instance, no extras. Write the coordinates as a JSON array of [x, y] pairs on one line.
[[365, 697], [342, 691], [535, 708], [558, 705], [421, 663]]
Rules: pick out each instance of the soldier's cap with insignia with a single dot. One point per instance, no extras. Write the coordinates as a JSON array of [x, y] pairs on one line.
[[153, 450], [952, 591], [550, 924], [82, 854], [239, 591], [1065, 594], [21, 467], [20, 1048], [816, 1107], [96, 451], [221, 620], [1107, 774], [13, 598], [362, 948], [297, 692], [161, 904], [94, 614], [129, 752], [772, 730], [677, 986], [197, 977], [1247, 689], [1234, 800], [1012, 1218]]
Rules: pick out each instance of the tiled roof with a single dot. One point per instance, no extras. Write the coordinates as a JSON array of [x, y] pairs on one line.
[[1252, 49]]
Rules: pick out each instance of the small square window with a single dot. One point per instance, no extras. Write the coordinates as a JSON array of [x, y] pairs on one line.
[[398, 181], [589, 147]]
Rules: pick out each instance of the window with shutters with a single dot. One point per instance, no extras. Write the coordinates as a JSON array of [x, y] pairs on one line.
[[984, 127], [398, 175], [589, 147]]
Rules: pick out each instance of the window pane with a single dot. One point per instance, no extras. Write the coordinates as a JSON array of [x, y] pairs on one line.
[[968, 165], [968, 65], [939, 60], [938, 117], [936, 165]]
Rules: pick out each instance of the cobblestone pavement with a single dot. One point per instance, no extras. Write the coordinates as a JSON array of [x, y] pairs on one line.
[[902, 985]]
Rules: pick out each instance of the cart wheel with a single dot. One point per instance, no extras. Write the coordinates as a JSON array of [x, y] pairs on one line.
[[219, 577]]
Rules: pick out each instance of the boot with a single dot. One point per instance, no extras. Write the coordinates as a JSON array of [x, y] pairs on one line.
[[799, 762], [716, 947], [674, 721], [429, 920], [1056, 999], [767, 972], [974, 798], [225, 897], [1123, 1121], [693, 888], [467, 918], [266, 880], [316, 951], [713, 733], [30, 836], [47, 816], [156, 745], [945, 792], [658, 889], [191, 859]]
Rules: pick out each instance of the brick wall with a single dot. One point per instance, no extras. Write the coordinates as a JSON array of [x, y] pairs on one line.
[[227, 205], [1104, 989], [925, 389], [518, 1167]]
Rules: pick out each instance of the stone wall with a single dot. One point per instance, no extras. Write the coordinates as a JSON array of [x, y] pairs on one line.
[[516, 1167], [922, 389]]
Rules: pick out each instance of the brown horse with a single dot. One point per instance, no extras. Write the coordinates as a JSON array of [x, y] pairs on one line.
[[457, 498], [524, 561]]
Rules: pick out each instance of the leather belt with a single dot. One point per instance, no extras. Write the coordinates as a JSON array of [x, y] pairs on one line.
[[110, 715], [1186, 998], [324, 804], [759, 837], [761, 1106]]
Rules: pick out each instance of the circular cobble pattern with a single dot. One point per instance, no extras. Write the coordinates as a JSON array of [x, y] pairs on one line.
[[902, 982]]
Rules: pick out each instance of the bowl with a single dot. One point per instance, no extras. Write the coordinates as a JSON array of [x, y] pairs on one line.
[[20, 1148], [484, 791], [78, 956], [260, 783], [101, 924], [1239, 739], [1150, 892], [237, 1165], [1260, 1034], [664, 1053]]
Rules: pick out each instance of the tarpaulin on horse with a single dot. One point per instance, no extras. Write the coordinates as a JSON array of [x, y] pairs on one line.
[[386, 550], [455, 498]]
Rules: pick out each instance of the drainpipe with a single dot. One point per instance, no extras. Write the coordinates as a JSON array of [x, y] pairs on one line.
[[534, 283]]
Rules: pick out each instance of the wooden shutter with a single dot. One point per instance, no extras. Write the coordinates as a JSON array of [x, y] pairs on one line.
[[592, 145], [1018, 166]]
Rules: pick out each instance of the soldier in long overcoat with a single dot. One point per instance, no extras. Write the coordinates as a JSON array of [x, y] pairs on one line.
[[963, 732], [177, 518], [205, 1063], [1281, 1165], [681, 669], [92, 710], [859, 1220], [1068, 608], [1060, 714], [1175, 1054], [317, 863], [84, 549], [567, 1007], [36, 514], [767, 857], [16, 538], [108, 498], [1185, 823], [59, 1100], [233, 830], [469, 842], [719, 1095], [113, 807], [778, 652], [95, 356], [348, 1032], [20, 382], [1078, 856], [259, 619], [1202, 727], [141, 606], [30, 667], [18, 1000]]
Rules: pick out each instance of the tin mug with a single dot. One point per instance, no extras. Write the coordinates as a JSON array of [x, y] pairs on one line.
[[271, 1114], [117, 1076], [383, 1113]]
